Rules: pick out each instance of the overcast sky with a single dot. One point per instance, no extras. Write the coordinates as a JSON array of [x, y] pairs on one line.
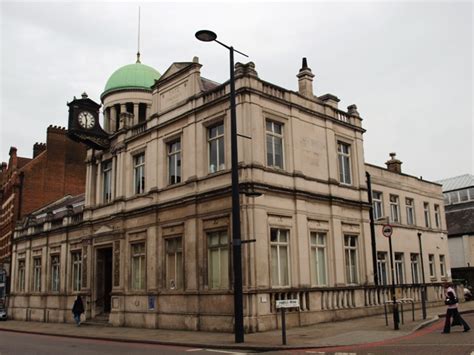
[[407, 66]]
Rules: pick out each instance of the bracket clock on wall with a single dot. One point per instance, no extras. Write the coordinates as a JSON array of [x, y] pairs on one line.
[[83, 123]]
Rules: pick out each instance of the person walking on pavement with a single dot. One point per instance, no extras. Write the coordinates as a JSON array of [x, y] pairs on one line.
[[452, 302], [78, 309]]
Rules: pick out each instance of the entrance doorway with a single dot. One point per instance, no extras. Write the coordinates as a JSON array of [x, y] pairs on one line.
[[103, 280]]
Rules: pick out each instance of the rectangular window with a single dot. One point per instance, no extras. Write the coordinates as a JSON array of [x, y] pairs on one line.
[[431, 261], [344, 157], [280, 256], [215, 141], [174, 263], [274, 144], [437, 216], [454, 197], [174, 162], [318, 258], [21, 275], [36, 274], [442, 266], [107, 181], [218, 260], [351, 259], [377, 204], [410, 205], [399, 268], [394, 209], [426, 207], [415, 268], [382, 268], [55, 273], [463, 195], [76, 258], [138, 266], [139, 173]]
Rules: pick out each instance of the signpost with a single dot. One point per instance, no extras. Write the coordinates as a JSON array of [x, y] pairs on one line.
[[387, 231], [283, 305]]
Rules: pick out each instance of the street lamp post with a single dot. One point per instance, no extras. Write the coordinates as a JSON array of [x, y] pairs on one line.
[[423, 287], [209, 36]]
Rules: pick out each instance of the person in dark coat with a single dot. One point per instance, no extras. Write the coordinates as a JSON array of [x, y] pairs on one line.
[[78, 309], [452, 302]]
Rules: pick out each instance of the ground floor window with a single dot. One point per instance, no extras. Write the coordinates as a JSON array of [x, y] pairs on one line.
[[382, 268], [218, 260], [174, 263], [76, 270], [55, 275], [21, 275], [415, 272], [431, 261], [318, 258], [37, 274], [138, 266], [350, 255], [279, 256], [399, 268], [442, 266]]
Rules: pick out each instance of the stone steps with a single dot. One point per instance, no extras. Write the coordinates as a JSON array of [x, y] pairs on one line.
[[101, 320]]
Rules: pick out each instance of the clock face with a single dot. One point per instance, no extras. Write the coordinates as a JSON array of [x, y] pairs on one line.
[[86, 119]]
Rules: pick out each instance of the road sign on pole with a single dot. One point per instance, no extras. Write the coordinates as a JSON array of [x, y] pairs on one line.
[[387, 230]]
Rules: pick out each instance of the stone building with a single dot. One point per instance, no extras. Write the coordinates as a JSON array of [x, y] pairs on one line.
[[57, 168], [459, 204], [151, 245]]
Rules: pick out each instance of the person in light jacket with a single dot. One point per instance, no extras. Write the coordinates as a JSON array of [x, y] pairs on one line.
[[78, 309], [452, 302]]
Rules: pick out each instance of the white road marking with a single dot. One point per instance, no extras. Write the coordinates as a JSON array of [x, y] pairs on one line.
[[193, 349], [223, 351]]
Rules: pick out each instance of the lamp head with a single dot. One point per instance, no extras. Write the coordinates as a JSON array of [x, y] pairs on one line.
[[205, 35]]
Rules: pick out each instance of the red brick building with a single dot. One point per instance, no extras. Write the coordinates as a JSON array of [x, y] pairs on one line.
[[26, 184]]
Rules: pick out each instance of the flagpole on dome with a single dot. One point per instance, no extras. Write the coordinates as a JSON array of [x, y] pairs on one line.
[[138, 47]]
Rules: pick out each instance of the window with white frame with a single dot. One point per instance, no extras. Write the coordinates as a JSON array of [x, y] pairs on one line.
[[279, 244], [139, 173], [431, 262], [55, 273], [399, 268], [442, 266], [318, 258], [351, 259], [344, 159], [215, 139], [218, 259], [107, 181], [174, 263], [437, 216], [76, 257], [21, 275], [274, 144], [37, 274], [394, 209], [377, 204], [426, 208], [415, 268], [174, 162], [382, 268], [138, 266], [410, 207]]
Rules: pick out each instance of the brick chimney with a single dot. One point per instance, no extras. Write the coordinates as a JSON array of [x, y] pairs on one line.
[[394, 164], [305, 80], [38, 148]]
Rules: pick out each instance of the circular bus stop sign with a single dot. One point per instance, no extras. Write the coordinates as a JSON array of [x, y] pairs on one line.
[[387, 230]]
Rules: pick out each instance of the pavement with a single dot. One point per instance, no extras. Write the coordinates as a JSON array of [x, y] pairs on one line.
[[348, 332]]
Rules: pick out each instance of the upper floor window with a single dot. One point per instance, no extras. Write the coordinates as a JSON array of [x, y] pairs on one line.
[[377, 204], [318, 258], [426, 208], [218, 260], [174, 162], [76, 257], [139, 173], [394, 209], [279, 256], [410, 205], [21, 275], [215, 141], [174, 263], [437, 216], [344, 158], [351, 259], [138, 266], [36, 274], [55, 272], [107, 181], [274, 144]]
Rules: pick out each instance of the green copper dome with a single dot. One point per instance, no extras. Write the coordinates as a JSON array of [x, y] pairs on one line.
[[132, 76]]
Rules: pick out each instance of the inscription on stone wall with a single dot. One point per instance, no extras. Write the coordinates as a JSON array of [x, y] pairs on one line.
[[117, 263], [173, 95]]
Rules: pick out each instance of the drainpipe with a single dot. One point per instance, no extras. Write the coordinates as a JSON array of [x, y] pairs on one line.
[[372, 229]]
